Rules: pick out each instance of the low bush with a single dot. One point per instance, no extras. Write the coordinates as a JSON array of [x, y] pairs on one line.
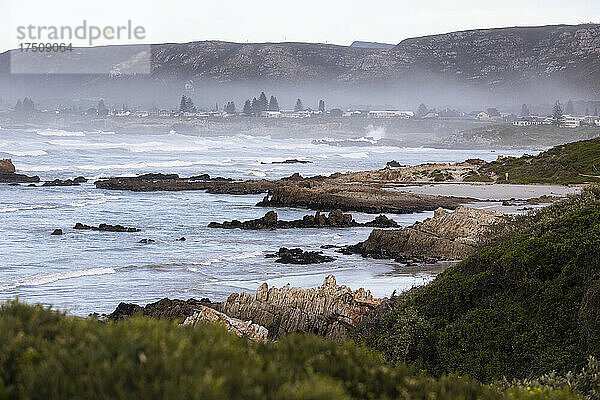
[[524, 305], [47, 355]]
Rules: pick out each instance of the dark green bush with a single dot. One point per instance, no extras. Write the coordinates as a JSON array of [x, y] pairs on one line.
[[47, 355], [524, 305]]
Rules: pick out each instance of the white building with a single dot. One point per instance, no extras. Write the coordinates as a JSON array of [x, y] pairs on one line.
[[270, 114], [483, 116], [391, 114], [530, 121], [571, 122]]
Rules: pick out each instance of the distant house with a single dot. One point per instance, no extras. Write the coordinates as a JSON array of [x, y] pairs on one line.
[[390, 114], [164, 113], [530, 121], [483, 116], [351, 113], [597, 122], [571, 122], [270, 114], [431, 115]]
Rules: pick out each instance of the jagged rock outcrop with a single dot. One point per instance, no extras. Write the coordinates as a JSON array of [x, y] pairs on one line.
[[8, 173], [240, 328], [7, 167], [335, 219], [329, 310], [445, 236]]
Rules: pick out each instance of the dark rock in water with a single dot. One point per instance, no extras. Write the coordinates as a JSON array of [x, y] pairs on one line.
[[32, 185], [290, 161], [18, 178], [269, 221], [146, 241], [105, 228], [299, 256], [57, 232], [181, 239], [335, 219], [395, 164], [175, 310], [382, 222], [158, 177], [66, 182]]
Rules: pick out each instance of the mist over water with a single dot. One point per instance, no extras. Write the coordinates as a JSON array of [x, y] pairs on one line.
[[85, 272]]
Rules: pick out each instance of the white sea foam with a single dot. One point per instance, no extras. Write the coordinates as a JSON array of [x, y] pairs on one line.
[[58, 132], [137, 165], [240, 256], [31, 153], [26, 208], [355, 155], [40, 280]]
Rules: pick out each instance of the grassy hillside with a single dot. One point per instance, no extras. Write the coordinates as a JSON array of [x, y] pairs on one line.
[[46, 355], [575, 162], [508, 135], [527, 304]]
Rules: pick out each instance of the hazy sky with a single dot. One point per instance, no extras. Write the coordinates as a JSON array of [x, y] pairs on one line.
[[339, 22]]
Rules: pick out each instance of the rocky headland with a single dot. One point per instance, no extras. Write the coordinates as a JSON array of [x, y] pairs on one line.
[[335, 219], [445, 236]]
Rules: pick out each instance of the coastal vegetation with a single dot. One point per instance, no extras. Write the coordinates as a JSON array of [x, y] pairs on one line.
[[45, 354], [576, 162], [525, 305], [508, 135]]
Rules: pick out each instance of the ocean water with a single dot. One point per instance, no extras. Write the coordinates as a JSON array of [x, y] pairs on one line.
[[84, 272]]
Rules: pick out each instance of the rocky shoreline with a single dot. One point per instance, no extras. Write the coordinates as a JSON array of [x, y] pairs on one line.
[[330, 310]]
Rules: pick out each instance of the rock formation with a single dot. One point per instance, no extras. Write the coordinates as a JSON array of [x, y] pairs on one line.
[[174, 310], [8, 173], [105, 228], [335, 219], [240, 328], [356, 197], [7, 167], [67, 182], [446, 236], [299, 256], [329, 310]]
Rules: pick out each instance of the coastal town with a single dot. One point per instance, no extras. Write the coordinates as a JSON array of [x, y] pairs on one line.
[[260, 107]]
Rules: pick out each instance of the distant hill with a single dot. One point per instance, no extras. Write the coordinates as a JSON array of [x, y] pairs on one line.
[[372, 45], [477, 66]]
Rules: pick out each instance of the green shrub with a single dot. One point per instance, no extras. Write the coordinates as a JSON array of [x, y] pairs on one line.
[[585, 381], [576, 162], [47, 355], [525, 305]]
